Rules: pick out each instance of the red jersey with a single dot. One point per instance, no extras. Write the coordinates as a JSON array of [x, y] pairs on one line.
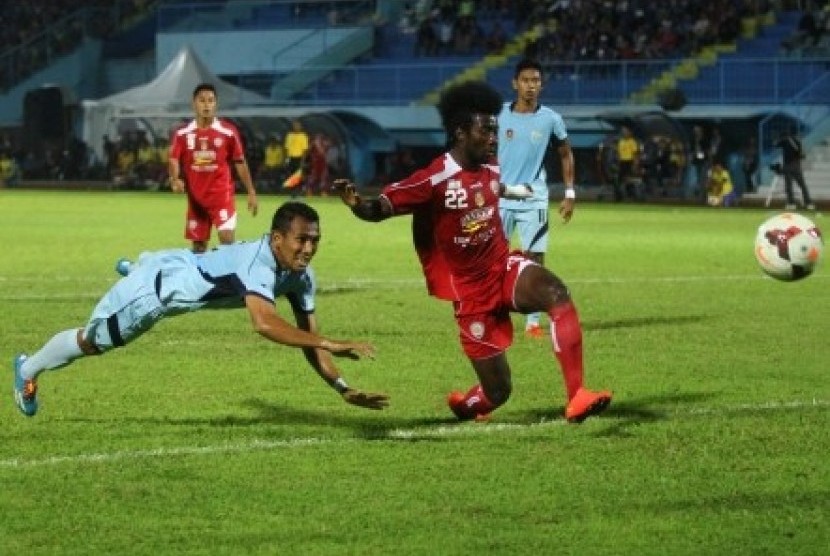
[[456, 226], [205, 156]]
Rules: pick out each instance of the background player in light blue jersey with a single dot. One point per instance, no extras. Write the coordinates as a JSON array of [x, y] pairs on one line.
[[526, 130], [246, 274]]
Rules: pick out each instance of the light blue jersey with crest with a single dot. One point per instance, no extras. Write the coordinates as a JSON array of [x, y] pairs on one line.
[[523, 143], [176, 281]]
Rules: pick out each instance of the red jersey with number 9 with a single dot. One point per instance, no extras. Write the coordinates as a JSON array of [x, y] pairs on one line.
[[456, 226], [205, 156]]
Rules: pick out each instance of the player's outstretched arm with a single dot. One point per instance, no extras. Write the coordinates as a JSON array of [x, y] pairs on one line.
[[371, 210], [321, 361]]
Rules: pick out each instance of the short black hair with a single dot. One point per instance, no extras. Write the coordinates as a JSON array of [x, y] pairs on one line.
[[460, 102], [527, 63], [290, 210], [204, 87]]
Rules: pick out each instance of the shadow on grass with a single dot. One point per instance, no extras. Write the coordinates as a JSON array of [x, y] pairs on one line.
[[621, 416], [363, 423], [641, 322]]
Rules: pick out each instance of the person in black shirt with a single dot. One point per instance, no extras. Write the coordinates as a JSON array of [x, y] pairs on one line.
[[793, 154]]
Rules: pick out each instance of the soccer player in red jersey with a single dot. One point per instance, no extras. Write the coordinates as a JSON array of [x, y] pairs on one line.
[[466, 258], [201, 151]]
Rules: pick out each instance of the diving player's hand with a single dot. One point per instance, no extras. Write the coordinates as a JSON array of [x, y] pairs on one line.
[[347, 191], [368, 400], [352, 350]]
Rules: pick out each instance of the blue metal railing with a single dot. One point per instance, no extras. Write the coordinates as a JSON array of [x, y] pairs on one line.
[[750, 82]]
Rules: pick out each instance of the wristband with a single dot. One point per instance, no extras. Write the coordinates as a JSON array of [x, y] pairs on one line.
[[570, 193], [340, 385], [521, 191]]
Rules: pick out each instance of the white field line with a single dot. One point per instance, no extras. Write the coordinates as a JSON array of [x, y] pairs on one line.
[[442, 431], [391, 284]]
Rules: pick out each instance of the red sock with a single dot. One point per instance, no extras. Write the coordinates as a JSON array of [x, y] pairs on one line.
[[477, 402], [566, 334]]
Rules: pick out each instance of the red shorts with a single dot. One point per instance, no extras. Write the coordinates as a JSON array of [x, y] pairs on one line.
[[484, 324], [217, 210]]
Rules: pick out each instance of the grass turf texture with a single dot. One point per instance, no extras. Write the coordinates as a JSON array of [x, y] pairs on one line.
[[201, 438]]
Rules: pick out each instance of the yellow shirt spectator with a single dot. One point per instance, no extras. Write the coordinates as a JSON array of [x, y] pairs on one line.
[[274, 155], [720, 186], [627, 148], [296, 144]]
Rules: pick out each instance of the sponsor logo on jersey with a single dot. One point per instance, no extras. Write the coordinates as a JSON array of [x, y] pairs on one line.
[[477, 218]]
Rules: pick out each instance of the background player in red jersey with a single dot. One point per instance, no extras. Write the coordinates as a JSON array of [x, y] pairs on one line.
[[466, 259], [202, 151]]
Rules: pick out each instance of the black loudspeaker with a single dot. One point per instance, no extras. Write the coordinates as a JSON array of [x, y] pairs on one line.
[[672, 99], [45, 114]]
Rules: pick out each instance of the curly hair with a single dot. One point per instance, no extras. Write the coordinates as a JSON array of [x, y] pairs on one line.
[[460, 102]]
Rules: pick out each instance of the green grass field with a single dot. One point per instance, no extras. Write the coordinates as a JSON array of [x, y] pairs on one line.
[[201, 438]]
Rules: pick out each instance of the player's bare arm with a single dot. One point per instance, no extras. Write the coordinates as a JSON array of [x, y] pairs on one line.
[[173, 172], [566, 156], [321, 361], [244, 174], [371, 210], [269, 324]]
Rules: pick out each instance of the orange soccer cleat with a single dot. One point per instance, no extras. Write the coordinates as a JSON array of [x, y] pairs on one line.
[[586, 403], [535, 331]]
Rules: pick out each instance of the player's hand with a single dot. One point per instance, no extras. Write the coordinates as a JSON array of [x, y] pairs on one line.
[[365, 399], [566, 209], [177, 185], [350, 350], [347, 191], [253, 204]]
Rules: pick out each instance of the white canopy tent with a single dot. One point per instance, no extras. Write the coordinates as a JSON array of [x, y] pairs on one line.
[[168, 96]]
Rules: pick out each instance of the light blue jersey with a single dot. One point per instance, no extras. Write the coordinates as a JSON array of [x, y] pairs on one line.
[[176, 281], [523, 143]]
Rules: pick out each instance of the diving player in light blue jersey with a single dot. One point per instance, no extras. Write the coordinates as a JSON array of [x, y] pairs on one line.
[[175, 281], [526, 128]]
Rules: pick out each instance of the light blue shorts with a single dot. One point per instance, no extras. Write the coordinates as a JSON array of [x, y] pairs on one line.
[[532, 225], [129, 309]]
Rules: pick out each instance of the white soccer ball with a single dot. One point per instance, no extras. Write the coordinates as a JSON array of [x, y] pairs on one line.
[[788, 246]]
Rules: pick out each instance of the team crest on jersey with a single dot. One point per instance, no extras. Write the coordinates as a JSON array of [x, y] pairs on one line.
[[508, 134], [479, 198], [217, 142], [477, 330], [494, 186]]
